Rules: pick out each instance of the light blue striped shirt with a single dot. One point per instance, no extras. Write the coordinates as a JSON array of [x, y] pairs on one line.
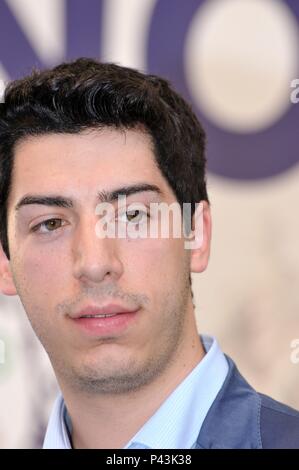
[[177, 423]]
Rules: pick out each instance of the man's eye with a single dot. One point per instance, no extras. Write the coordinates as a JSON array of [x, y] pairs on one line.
[[47, 226], [135, 216]]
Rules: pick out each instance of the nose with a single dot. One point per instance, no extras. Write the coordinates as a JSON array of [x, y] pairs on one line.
[[94, 258]]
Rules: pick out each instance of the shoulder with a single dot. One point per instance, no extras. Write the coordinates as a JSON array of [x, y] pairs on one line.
[[279, 424], [242, 418]]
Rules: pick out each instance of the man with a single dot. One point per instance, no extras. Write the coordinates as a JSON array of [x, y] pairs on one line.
[[115, 313]]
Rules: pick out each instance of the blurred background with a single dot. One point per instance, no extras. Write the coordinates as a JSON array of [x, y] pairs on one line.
[[234, 60]]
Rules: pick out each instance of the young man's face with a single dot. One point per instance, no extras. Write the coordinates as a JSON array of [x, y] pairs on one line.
[[63, 270]]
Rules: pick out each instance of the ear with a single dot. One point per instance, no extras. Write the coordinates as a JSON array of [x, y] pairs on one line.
[[7, 285], [200, 237]]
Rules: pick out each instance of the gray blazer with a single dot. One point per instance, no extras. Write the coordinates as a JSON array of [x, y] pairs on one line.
[[241, 418]]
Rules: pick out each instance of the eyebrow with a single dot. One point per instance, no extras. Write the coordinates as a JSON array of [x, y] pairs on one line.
[[103, 196]]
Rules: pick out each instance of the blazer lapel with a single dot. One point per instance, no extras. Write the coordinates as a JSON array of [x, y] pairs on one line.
[[233, 421]]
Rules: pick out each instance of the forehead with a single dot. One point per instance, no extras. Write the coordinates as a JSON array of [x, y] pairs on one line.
[[97, 158], [104, 148]]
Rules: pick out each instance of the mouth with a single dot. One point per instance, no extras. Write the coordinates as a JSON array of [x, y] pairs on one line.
[[105, 320], [99, 315]]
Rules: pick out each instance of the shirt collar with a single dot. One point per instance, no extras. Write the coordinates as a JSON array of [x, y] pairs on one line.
[[57, 435], [177, 423]]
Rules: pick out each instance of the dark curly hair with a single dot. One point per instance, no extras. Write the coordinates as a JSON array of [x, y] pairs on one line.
[[84, 94]]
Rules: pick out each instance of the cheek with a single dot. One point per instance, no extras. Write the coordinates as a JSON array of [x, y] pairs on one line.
[[41, 269], [38, 273], [38, 287], [154, 263]]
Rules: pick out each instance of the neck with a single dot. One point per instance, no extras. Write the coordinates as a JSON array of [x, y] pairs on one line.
[[110, 421]]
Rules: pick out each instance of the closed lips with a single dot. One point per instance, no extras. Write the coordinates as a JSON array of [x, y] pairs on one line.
[[109, 310], [99, 315]]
